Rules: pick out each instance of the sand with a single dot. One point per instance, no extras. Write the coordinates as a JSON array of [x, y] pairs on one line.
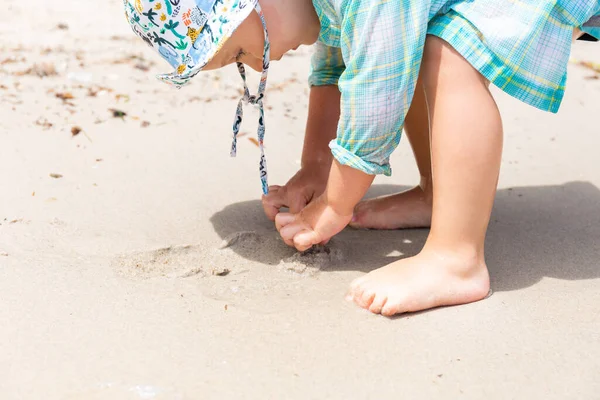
[[136, 262]]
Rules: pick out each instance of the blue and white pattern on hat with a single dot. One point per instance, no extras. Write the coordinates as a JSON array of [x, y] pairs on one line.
[[186, 33], [162, 24]]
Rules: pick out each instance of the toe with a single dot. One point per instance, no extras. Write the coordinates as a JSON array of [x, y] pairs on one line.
[[378, 303], [355, 286], [362, 295], [355, 222], [357, 217], [365, 299], [391, 308]]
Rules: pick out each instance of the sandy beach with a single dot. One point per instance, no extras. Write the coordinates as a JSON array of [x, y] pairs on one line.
[[136, 261]]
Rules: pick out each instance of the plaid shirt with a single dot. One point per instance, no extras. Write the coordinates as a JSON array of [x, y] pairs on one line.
[[372, 50]]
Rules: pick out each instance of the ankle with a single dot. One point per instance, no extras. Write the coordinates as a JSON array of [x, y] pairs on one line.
[[465, 257], [426, 185]]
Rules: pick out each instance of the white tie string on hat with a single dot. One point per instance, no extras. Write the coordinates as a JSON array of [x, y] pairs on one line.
[[256, 100]]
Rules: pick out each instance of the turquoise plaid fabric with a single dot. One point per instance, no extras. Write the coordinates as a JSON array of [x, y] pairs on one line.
[[372, 50], [592, 27]]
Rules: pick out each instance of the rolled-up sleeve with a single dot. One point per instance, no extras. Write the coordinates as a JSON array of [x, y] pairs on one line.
[[382, 45]]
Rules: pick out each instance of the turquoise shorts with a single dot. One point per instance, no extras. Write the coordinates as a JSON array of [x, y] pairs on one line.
[[527, 60]]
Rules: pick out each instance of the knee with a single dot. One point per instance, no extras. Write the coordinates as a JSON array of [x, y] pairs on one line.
[[442, 61]]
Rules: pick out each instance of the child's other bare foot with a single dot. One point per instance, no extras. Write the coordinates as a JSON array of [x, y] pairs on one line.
[[428, 280], [410, 209]]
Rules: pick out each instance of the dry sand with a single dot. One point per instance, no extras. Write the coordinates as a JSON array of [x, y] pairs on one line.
[[115, 282]]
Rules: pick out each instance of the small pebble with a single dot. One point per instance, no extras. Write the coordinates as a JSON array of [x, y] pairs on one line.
[[75, 130]]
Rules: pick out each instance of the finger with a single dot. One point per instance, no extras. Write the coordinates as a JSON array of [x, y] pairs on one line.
[[283, 219], [297, 203], [272, 202], [305, 239], [274, 188], [289, 242], [290, 231]]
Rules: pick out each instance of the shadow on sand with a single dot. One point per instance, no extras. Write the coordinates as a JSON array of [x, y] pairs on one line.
[[535, 232]]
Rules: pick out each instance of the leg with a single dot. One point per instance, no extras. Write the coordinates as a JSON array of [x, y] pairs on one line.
[[412, 208], [466, 153]]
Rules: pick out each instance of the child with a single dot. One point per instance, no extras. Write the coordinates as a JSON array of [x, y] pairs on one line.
[[372, 51]]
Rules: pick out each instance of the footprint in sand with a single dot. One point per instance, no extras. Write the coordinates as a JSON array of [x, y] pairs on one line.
[[170, 262], [189, 260], [237, 251]]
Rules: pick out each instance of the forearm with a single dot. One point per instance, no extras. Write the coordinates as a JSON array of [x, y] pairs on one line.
[[346, 187], [321, 126]]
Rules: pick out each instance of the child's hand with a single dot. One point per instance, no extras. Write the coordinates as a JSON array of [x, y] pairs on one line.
[[310, 181], [315, 224], [329, 213], [308, 184]]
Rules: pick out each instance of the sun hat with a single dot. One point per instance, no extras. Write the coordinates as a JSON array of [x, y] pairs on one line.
[[188, 34]]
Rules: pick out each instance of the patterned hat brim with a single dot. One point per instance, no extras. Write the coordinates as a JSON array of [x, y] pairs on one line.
[[219, 28]]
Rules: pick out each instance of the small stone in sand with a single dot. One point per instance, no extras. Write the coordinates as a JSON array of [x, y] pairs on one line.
[[142, 67], [44, 123], [222, 272], [120, 96], [64, 96], [117, 113], [41, 70], [76, 130]]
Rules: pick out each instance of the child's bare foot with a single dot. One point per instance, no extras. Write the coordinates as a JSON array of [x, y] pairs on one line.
[[428, 280], [410, 209]]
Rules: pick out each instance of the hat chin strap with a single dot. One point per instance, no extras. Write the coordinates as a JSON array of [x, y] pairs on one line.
[[256, 100]]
